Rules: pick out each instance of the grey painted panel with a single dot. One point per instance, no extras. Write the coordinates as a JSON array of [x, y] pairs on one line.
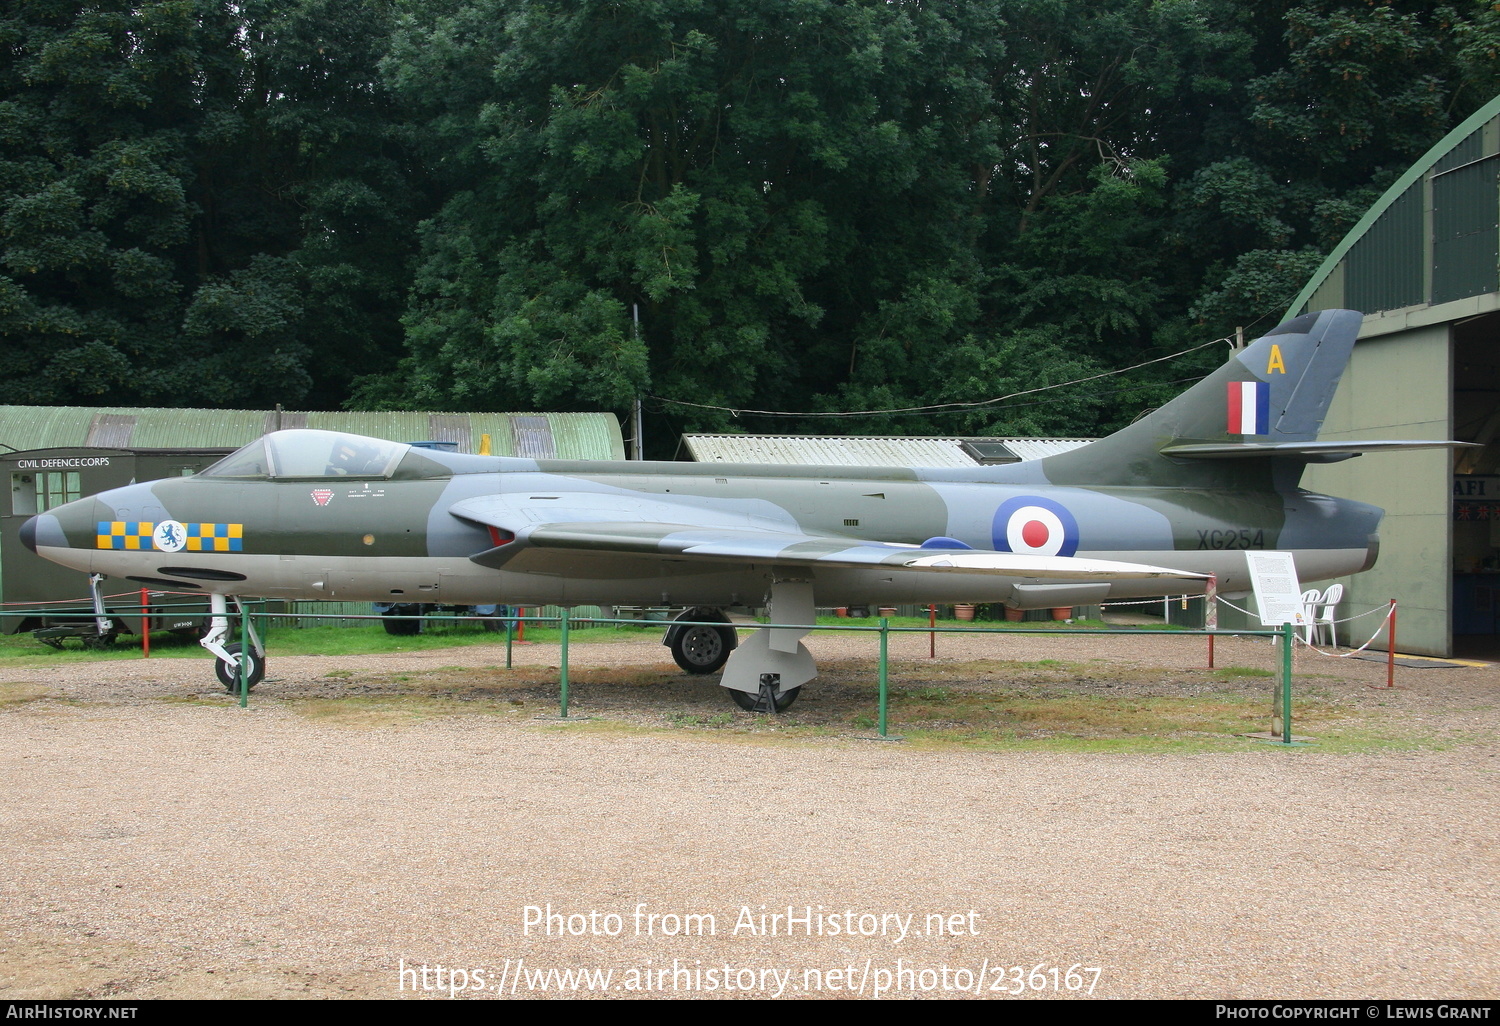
[[1466, 231], [449, 427], [283, 420], [533, 438], [111, 431], [1384, 269]]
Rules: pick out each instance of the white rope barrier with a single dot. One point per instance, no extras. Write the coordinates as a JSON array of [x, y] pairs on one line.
[[1149, 601], [1353, 651], [1385, 620]]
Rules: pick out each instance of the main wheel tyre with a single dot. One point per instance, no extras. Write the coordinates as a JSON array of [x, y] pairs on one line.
[[229, 672], [400, 627], [703, 648], [751, 703]]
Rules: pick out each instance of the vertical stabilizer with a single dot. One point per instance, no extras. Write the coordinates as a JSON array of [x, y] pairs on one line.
[[1274, 391]]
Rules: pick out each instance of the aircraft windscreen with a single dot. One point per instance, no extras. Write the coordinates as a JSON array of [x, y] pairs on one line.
[[309, 453], [248, 461]]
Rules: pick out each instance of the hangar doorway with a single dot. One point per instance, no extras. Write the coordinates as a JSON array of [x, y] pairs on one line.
[[1476, 488]]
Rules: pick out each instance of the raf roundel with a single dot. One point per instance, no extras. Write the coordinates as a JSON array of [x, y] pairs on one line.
[[1034, 526]]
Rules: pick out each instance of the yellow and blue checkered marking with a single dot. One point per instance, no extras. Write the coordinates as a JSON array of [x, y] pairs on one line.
[[215, 537], [125, 534], [136, 535]]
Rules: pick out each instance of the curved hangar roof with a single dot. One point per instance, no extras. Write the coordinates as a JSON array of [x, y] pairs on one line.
[[1433, 238]]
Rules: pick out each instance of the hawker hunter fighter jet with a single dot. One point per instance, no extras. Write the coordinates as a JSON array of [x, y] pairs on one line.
[[1152, 510]]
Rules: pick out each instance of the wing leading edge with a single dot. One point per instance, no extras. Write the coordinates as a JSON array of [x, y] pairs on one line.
[[568, 526]]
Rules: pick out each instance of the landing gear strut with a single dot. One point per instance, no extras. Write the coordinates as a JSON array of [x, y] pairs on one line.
[[765, 673], [228, 657]]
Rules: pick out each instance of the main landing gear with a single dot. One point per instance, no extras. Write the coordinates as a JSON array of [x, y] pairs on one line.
[[764, 673], [770, 699], [228, 657], [701, 647]]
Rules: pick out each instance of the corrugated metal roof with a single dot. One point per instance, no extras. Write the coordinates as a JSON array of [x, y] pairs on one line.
[[861, 450], [1038, 448], [584, 436]]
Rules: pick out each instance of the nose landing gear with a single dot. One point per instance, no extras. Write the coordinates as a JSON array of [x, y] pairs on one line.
[[228, 657]]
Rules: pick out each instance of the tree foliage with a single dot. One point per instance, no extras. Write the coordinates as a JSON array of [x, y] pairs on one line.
[[194, 203], [814, 206]]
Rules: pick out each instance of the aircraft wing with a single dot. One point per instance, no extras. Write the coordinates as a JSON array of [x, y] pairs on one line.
[[555, 533]]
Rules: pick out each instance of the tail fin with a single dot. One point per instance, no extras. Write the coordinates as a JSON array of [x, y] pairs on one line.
[[1269, 399]]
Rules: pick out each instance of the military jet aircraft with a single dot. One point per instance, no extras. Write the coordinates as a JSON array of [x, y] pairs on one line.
[[1151, 510]]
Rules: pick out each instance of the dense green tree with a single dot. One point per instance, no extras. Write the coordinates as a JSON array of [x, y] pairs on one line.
[[816, 206], [194, 208], [755, 178]]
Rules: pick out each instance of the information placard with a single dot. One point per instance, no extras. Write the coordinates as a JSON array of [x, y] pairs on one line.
[[1278, 596]]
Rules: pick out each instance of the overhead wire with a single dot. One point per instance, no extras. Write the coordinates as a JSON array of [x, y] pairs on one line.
[[944, 407]]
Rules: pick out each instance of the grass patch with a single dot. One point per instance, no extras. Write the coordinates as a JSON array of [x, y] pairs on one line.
[[22, 692], [980, 704], [1100, 716], [368, 712], [24, 650]]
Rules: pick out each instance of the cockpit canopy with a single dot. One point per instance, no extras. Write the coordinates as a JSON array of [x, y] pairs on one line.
[[310, 453]]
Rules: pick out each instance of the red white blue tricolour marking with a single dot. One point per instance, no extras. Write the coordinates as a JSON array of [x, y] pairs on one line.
[[1035, 526], [1249, 408]]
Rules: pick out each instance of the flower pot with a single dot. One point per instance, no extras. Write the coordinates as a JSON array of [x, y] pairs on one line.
[[963, 612], [1014, 615], [887, 611], [1062, 612]]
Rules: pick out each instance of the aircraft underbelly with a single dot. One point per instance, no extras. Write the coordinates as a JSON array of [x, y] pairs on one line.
[[634, 580]]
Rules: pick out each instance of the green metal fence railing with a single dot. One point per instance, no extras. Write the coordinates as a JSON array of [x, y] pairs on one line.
[[254, 620]]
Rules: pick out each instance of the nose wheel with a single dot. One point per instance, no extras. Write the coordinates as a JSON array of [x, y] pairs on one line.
[[228, 657], [228, 670]]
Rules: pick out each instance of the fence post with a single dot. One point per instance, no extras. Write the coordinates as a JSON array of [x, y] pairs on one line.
[[564, 662], [884, 674], [1211, 614], [245, 655], [1390, 648], [145, 625], [1287, 637]]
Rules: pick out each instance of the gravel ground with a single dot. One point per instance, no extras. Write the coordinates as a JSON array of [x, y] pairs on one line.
[[160, 842]]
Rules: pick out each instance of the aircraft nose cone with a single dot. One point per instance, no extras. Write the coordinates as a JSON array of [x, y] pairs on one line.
[[43, 529]]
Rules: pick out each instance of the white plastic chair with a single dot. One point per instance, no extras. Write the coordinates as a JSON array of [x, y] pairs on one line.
[[1326, 615], [1310, 599]]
